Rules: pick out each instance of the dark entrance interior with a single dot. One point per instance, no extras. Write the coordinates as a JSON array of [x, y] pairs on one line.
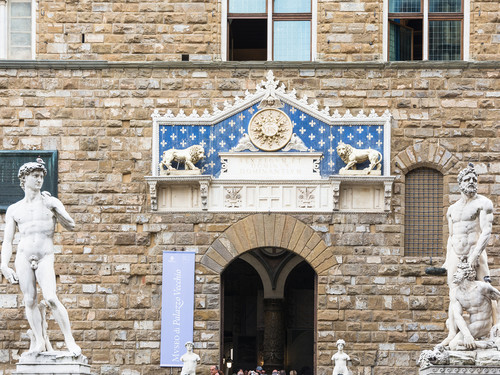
[[278, 332]]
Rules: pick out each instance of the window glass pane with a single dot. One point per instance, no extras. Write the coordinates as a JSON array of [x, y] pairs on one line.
[[444, 40], [20, 10], [20, 53], [445, 6], [292, 41], [20, 24], [292, 6], [404, 6], [400, 43], [248, 40], [424, 213], [20, 39], [247, 6]]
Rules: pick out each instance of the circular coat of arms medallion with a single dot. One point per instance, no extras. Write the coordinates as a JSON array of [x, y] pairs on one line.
[[270, 129]]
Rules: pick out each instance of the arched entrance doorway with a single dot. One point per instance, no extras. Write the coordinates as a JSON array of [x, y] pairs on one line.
[[268, 311]]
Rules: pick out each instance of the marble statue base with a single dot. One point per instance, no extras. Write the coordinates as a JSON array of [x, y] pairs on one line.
[[480, 361], [449, 369], [52, 363]]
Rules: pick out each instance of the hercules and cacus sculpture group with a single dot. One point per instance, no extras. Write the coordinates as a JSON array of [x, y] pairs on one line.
[[473, 320]]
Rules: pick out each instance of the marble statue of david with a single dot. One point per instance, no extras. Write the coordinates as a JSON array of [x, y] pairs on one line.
[[35, 217]]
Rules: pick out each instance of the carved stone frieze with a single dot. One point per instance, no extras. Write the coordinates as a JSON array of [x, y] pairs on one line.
[[472, 370], [336, 195], [204, 195], [387, 195], [295, 144], [244, 144], [153, 195], [306, 197], [232, 197]]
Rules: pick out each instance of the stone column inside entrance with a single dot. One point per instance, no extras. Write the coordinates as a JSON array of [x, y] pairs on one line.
[[274, 337]]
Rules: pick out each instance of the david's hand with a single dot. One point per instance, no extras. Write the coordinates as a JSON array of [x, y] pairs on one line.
[[10, 275]]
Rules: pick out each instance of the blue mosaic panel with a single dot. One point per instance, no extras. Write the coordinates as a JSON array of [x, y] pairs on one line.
[[316, 135]]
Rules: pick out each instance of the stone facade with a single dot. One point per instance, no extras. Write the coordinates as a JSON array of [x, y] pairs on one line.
[[97, 114], [164, 31], [369, 293]]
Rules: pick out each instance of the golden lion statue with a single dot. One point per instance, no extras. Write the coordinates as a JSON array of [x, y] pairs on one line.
[[189, 156], [352, 156]]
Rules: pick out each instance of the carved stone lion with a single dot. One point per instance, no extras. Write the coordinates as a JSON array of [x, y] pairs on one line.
[[352, 156], [189, 156]]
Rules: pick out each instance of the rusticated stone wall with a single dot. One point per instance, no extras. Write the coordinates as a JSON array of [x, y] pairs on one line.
[[165, 30], [374, 297]]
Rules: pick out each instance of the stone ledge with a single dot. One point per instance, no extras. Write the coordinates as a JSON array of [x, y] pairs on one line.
[[102, 64]]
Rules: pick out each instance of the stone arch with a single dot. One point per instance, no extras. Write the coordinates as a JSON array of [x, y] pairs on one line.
[[269, 230], [426, 154]]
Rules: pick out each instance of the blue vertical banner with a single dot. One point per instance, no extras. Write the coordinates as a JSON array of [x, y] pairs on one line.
[[177, 306]]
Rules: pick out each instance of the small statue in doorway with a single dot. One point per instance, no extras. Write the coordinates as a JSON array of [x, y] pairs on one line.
[[190, 360], [341, 359]]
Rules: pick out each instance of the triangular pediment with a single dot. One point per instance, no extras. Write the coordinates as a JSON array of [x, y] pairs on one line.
[[270, 88]]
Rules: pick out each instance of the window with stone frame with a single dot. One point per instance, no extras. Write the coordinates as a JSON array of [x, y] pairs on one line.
[[279, 30], [17, 29], [424, 213], [425, 30]]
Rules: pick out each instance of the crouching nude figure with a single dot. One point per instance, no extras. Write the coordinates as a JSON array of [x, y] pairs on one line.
[[35, 217], [475, 298]]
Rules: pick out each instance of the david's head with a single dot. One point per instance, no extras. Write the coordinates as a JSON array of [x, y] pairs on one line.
[[467, 180], [36, 170]]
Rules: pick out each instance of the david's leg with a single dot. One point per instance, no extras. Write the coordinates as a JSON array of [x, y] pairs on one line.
[[27, 283], [47, 280]]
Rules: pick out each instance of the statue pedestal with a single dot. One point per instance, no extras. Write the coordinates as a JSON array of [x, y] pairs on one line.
[[451, 369], [52, 363]]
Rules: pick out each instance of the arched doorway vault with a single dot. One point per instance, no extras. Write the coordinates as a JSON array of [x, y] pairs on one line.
[[259, 232], [269, 230], [268, 311]]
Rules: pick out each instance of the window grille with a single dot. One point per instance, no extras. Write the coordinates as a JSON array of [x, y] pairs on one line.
[[425, 30], [424, 213]]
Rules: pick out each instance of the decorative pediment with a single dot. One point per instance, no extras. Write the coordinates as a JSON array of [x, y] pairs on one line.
[[268, 91], [275, 131]]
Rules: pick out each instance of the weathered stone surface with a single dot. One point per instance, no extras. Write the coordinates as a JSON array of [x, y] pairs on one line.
[[461, 358], [112, 266], [488, 358]]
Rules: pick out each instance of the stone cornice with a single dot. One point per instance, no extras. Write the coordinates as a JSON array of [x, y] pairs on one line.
[[191, 65]]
